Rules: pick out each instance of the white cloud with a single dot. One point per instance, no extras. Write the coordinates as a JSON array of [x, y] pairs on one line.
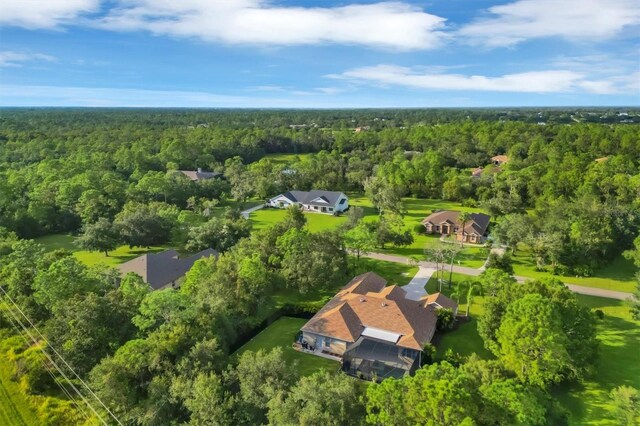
[[389, 25], [43, 13], [16, 59], [521, 20], [551, 81], [19, 95]]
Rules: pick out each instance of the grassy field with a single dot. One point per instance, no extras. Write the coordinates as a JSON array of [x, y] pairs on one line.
[[281, 334], [617, 275], [618, 364], [14, 407], [284, 158], [117, 256]]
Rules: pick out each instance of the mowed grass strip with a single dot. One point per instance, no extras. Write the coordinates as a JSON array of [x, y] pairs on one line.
[[14, 406], [282, 334], [618, 275]]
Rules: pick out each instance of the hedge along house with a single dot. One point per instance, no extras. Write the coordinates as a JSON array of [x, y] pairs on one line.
[[318, 201], [373, 329], [447, 222]]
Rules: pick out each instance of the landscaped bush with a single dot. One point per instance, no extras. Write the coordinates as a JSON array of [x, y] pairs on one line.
[[445, 319], [428, 354], [419, 229]]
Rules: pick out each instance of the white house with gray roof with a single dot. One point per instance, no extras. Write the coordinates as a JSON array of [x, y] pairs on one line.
[[318, 201]]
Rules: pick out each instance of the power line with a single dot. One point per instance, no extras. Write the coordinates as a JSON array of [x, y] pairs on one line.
[[22, 330], [65, 363], [56, 366]]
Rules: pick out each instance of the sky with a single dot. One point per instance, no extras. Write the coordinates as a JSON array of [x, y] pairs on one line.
[[319, 54]]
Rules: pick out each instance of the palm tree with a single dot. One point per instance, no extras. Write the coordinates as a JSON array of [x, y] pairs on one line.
[[452, 252], [437, 253], [463, 219], [474, 287], [459, 288]]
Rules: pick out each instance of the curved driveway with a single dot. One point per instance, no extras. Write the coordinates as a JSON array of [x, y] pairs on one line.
[[589, 291]]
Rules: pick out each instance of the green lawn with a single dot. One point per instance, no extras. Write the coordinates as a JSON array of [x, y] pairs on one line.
[[618, 363], [117, 256], [281, 334], [395, 273], [14, 407], [286, 159], [617, 275], [472, 256], [315, 221], [464, 339]]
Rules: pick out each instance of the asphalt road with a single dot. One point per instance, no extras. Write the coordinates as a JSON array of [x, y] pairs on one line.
[[589, 291]]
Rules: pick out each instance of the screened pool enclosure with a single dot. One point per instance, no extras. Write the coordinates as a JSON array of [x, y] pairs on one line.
[[374, 359]]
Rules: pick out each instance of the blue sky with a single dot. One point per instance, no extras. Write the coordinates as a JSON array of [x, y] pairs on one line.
[[324, 54]]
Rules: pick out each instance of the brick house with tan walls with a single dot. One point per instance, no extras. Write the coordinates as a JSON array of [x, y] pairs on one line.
[[447, 222]]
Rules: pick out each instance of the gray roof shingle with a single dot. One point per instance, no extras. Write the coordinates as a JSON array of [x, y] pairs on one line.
[[161, 269], [315, 197]]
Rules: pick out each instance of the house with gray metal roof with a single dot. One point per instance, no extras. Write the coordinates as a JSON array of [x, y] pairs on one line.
[[317, 201], [164, 269], [200, 175]]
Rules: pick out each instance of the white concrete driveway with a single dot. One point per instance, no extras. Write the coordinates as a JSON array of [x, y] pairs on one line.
[[415, 289], [247, 212]]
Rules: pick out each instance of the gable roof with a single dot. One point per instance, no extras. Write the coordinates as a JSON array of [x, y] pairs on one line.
[[321, 197], [440, 300], [198, 175], [478, 223], [366, 303], [160, 269], [315, 197], [294, 196]]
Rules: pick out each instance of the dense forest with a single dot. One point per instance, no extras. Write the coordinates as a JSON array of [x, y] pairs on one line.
[[571, 190], [61, 170]]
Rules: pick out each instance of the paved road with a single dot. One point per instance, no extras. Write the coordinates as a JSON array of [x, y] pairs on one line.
[[589, 291]]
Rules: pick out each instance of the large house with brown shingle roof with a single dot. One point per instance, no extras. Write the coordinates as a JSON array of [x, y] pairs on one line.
[[372, 328], [447, 222]]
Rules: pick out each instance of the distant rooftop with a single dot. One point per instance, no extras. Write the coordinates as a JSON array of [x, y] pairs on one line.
[[161, 269], [199, 175]]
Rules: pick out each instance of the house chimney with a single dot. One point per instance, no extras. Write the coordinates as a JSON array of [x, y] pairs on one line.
[[362, 299], [199, 170]]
